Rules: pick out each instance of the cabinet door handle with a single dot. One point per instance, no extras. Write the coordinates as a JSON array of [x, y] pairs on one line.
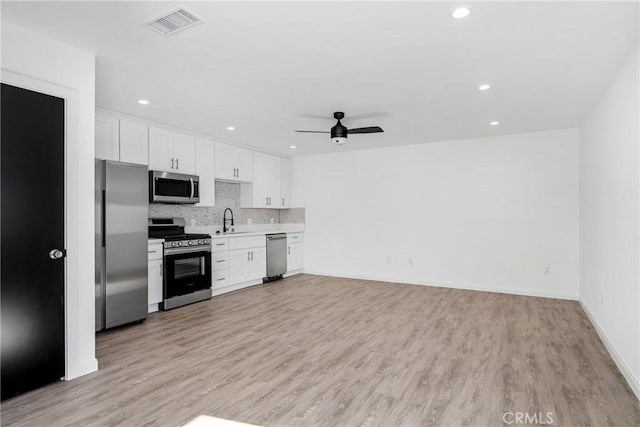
[[172, 163], [221, 260], [251, 255], [238, 172], [221, 279], [289, 250], [266, 201], [177, 164], [220, 244], [248, 256], [283, 201]]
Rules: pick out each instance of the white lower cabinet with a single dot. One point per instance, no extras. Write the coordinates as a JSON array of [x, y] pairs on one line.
[[294, 257], [219, 265], [241, 261], [155, 275], [247, 259], [294, 251], [247, 264], [257, 267]]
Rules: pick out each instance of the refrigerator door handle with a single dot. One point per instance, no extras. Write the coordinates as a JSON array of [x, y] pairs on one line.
[[103, 212]]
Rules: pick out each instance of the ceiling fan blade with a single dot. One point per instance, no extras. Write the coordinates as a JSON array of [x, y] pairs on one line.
[[371, 129], [312, 131]]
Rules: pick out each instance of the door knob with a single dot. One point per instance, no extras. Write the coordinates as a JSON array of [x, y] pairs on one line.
[[56, 254]]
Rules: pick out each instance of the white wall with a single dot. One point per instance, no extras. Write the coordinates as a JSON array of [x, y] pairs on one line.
[[35, 62], [486, 214], [610, 219]]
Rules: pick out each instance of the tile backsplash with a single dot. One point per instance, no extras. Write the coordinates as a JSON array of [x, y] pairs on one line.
[[227, 196]]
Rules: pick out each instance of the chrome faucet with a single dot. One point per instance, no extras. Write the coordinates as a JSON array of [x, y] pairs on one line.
[[224, 220]]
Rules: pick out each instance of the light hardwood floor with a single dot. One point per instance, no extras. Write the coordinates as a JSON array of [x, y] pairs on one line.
[[312, 350]]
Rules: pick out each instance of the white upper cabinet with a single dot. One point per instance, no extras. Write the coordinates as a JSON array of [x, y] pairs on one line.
[[264, 192], [161, 149], [171, 152], [107, 138], [205, 164], [271, 182], [134, 142], [233, 163], [285, 183], [184, 151]]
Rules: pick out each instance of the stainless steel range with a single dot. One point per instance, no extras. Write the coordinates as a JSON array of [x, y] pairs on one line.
[[186, 263]]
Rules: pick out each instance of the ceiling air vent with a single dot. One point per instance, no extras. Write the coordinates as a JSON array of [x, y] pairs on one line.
[[173, 21]]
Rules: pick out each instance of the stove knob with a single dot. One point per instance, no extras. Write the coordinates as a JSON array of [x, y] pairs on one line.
[[174, 244], [179, 243], [192, 242], [206, 241], [200, 242]]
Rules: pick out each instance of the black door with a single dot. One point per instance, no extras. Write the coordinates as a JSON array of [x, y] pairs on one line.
[[32, 222]]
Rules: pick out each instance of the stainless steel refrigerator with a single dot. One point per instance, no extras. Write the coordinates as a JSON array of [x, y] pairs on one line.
[[122, 194]]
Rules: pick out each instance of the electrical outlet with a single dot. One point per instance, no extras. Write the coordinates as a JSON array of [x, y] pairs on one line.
[[547, 269], [271, 220]]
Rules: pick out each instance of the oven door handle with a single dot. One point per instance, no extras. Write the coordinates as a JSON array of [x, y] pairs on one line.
[[178, 251], [192, 187]]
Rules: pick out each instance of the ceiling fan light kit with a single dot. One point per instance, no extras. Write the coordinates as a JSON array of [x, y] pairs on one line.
[[339, 132]]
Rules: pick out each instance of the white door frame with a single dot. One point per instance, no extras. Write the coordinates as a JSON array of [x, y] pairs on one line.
[[73, 365]]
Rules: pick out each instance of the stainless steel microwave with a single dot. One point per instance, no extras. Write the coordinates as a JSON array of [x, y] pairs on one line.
[[169, 187]]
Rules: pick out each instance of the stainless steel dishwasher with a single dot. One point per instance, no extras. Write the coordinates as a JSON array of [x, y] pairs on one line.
[[276, 256]]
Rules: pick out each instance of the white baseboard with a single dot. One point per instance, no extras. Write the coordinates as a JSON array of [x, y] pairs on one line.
[[633, 382], [236, 287], [292, 273], [457, 285]]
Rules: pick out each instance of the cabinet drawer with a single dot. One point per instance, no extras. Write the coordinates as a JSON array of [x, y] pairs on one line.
[[220, 279], [218, 245], [220, 260], [295, 237], [247, 242], [154, 251]]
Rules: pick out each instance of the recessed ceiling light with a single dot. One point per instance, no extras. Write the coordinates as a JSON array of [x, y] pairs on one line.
[[293, 147], [230, 128], [461, 12], [484, 87], [143, 102], [494, 123]]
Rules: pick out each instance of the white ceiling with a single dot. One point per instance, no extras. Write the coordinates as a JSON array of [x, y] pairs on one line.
[[268, 68]]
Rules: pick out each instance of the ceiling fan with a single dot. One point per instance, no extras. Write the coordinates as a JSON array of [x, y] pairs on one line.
[[339, 132]]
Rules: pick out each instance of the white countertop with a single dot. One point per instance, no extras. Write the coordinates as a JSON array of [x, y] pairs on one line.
[[247, 230]]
